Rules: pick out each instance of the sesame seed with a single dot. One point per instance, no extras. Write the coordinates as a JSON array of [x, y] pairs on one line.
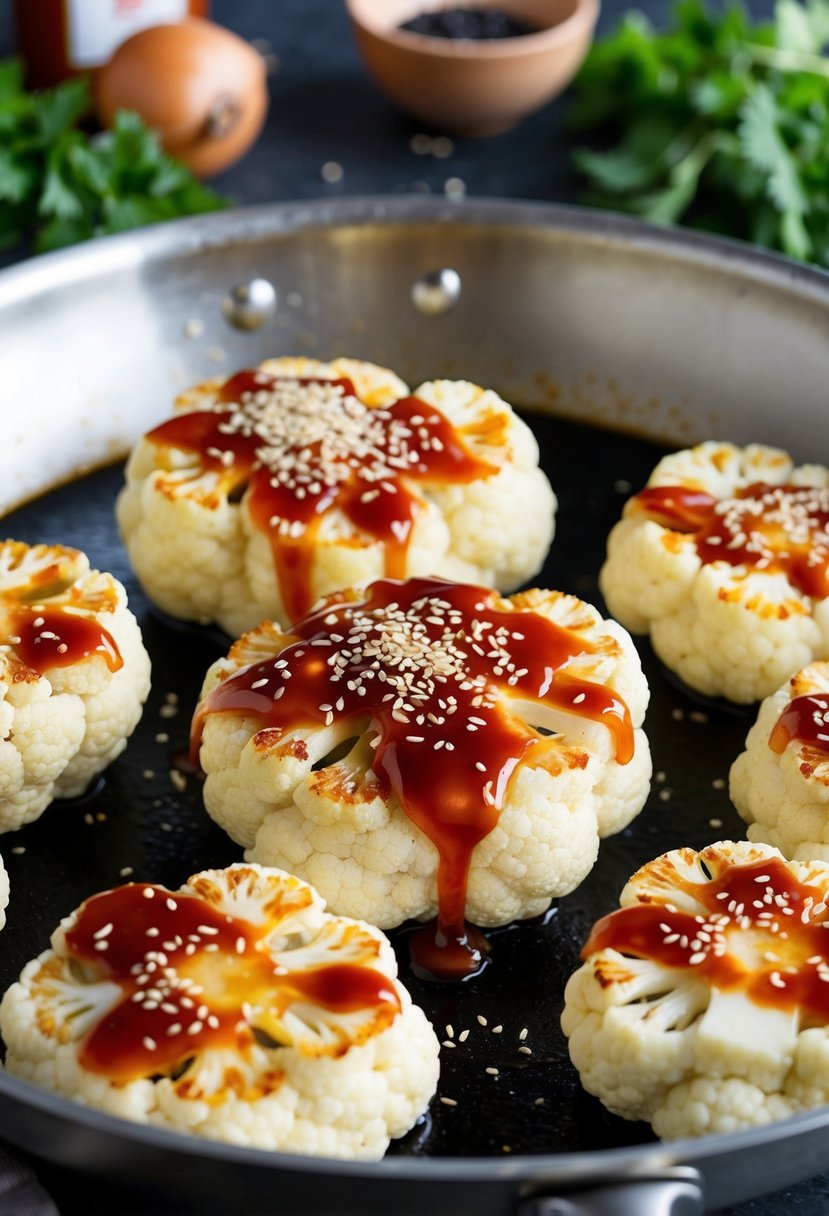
[[448, 1101]]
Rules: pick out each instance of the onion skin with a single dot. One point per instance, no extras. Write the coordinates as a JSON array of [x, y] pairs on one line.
[[201, 88]]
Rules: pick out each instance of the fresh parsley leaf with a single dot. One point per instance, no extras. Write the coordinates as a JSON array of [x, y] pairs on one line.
[[11, 79], [59, 196], [750, 102], [764, 147], [18, 177], [58, 109], [793, 28], [60, 185]]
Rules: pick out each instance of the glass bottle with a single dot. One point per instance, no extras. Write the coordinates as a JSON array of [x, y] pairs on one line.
[[58, 38]]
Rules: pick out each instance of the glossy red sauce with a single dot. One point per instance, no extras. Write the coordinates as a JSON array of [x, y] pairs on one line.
[[45, 637], [776, 528], [762, 903], [449, 756], [805, 719], [380, 506], [187, 972]]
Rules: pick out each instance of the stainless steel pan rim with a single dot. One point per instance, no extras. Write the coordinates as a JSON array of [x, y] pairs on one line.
[[218, 230], [562, 1168], [715, 1156]]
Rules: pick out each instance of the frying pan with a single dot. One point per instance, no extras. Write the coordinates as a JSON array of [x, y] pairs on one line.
[[620, 340]]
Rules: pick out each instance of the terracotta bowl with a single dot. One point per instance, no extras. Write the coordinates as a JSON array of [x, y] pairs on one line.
[[467, 87]]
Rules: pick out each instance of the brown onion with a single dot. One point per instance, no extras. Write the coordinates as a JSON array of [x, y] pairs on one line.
[[199, 86]]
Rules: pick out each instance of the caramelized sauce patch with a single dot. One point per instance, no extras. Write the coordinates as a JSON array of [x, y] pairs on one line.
[[305, 447], [424, 666], [190, 975], [775, 528], [762, 932], [43, 637], [806, 720]]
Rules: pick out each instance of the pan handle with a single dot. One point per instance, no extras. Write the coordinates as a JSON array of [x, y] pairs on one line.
[[675, 1192]]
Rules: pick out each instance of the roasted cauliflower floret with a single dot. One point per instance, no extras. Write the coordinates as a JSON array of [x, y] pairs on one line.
[[780, 783], [4, 893], [429, 748], [724, 560], [703, 1003], [282, 484], [235, 1009], [74, 676]]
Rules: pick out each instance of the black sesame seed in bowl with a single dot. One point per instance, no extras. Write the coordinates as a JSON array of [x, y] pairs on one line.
[[473, 24]]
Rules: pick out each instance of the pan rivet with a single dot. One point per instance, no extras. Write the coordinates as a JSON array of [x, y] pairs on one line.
[[249, 305], [435, 292]]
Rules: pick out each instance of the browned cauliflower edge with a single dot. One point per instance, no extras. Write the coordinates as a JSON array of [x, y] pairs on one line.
[[250, 1015], [702, 1005], [305, 795], [74, 676], [202, 553], [780, 783], [738, 616]]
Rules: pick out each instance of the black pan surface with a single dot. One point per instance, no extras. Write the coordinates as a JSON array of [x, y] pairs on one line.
[[137, 825]]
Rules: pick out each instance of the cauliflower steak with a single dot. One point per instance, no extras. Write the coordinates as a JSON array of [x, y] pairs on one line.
[[235, 1009], [724, 559], [74, 676], [428, 747], [284, 483], [703, 1002], [780, 783]]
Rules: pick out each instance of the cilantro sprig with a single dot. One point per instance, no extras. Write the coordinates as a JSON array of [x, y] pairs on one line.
[[60, 185], [716, 122]]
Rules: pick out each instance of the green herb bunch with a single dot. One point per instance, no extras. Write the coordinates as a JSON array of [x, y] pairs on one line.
[[717, 122], [59, 185]]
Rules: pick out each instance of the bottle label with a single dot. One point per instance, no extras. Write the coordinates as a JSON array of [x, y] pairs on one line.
[[96, 27]]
